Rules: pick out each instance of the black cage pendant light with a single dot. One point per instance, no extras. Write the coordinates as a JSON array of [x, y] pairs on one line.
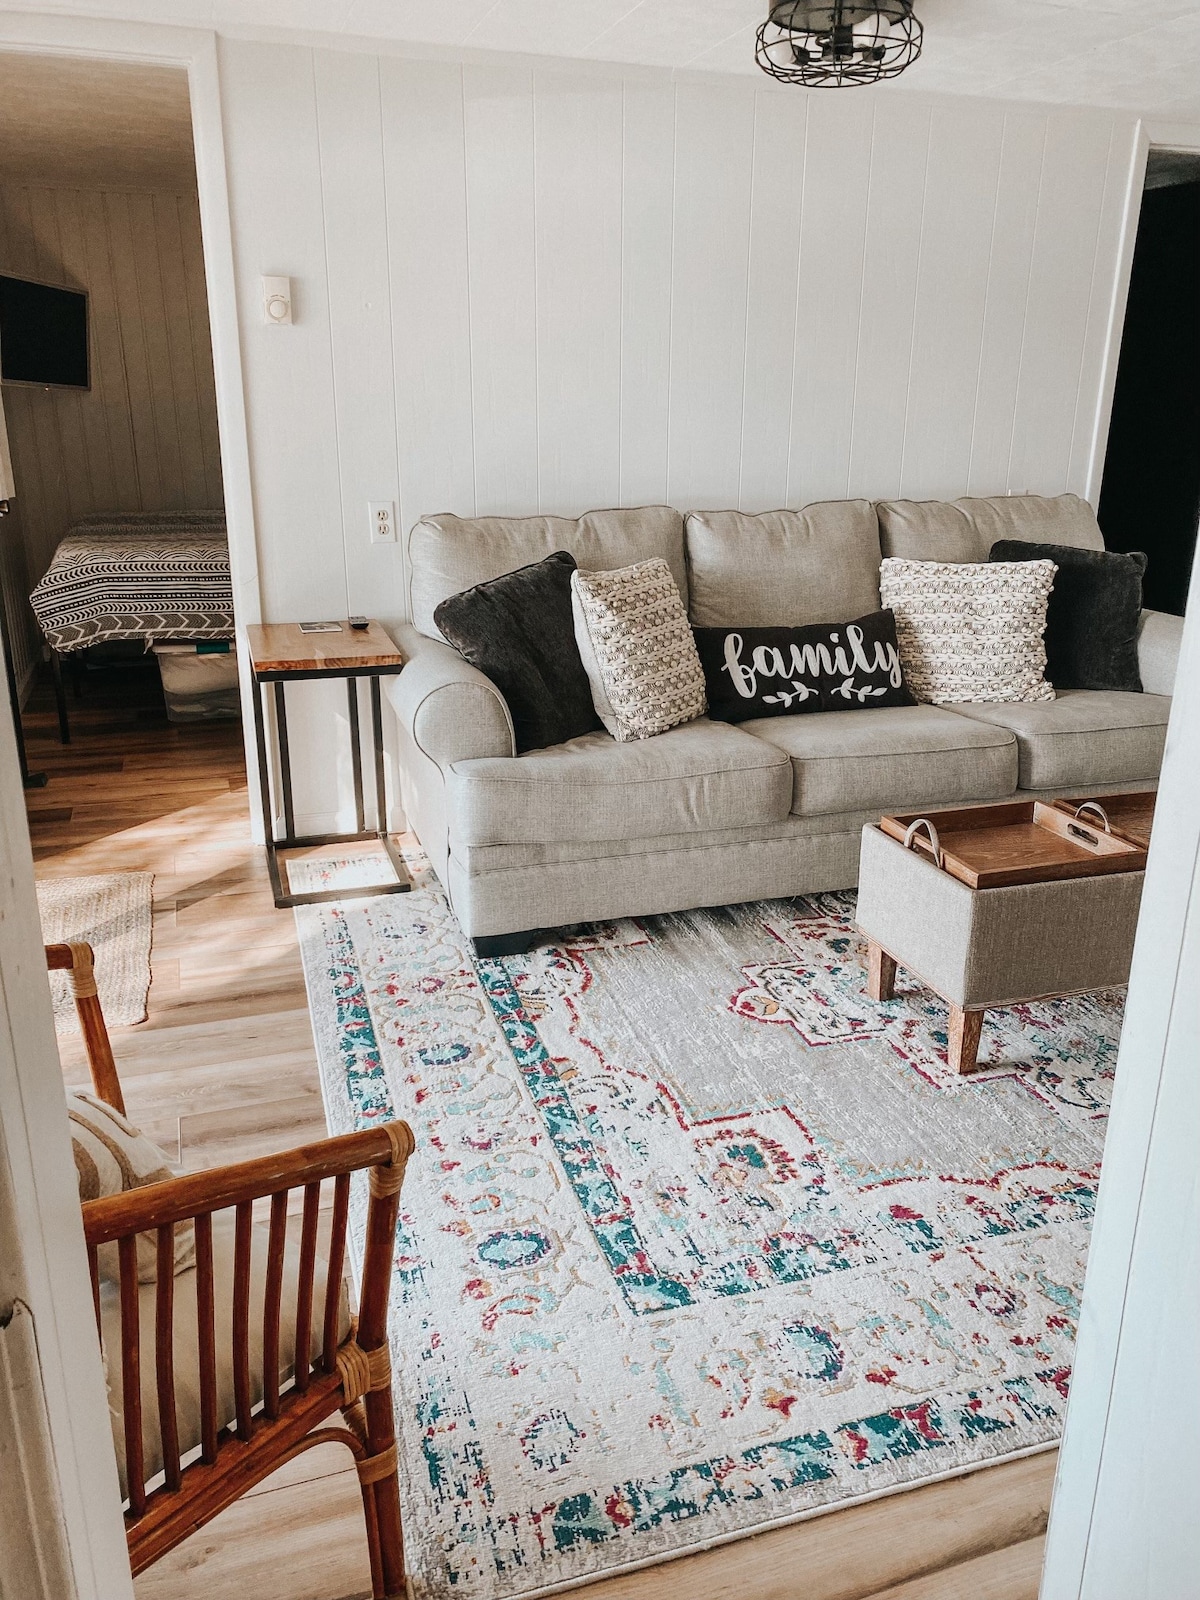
[[831, 43]]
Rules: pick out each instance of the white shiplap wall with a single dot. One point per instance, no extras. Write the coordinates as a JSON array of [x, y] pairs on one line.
[[144, 436], [531, 287]]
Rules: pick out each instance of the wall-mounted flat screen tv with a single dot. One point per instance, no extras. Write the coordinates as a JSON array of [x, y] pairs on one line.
[[43, 334]]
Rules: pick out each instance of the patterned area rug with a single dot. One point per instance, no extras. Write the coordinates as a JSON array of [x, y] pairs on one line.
[[112, 913], [699, 1240]]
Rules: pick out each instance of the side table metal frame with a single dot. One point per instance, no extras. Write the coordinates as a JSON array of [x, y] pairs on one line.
[[290, 839]]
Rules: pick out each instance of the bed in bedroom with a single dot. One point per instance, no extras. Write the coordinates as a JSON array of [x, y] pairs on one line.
[[156, 577]]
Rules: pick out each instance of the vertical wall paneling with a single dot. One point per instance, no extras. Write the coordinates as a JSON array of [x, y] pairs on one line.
[[360, 319], [577, 212], [647, 250], [138, 334], [96, 426], [1066, 236], [714, 150], [891, 253], [279, 226], [776, 198], [426, 204], [498, 104], [1106, 303], [179, 334], [837, 183], [108, 352], [364, 384], [956, 245], [1022, 152]]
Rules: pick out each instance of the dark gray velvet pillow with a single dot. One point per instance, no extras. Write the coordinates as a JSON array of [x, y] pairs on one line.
[[519, 631], [1092, 618]]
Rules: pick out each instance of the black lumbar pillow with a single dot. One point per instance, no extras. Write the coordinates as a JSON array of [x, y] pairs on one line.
[[519, 631], [1092, 617], [829, 666]]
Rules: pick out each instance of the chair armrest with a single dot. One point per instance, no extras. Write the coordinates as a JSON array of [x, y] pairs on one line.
[[157, 1205], [78, 959], [1158, 641], [452, 711], [331, 1366]]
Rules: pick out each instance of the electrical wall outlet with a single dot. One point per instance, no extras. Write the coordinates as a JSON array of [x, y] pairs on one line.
[[383, 521]]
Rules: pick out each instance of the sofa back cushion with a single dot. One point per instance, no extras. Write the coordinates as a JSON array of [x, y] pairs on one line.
[[966, 530], [782, 568], [447, 554]]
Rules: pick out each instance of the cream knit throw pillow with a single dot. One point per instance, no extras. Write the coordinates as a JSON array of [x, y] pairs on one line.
[[970, 632], [111, 1157], [637, 649]]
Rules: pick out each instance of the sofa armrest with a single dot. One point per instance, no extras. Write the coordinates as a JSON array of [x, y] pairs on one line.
[[1158, 641], [450, 709]]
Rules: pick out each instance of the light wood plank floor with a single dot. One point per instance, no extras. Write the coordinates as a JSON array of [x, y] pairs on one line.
[[224, 1069]]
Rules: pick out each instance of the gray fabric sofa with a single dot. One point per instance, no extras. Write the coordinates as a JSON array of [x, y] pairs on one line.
[[710, 813]]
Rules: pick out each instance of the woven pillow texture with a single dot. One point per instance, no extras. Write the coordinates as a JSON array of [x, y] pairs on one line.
[[112, 1157], [971, 632], [637, 649]]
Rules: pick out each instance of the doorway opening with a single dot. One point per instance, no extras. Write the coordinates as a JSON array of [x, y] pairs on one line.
[[114, 564], [1150, 496]]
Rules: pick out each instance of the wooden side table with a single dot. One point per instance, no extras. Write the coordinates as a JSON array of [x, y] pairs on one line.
[[281, 653]]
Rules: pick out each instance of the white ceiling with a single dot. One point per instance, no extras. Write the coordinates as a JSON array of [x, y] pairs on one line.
[[1141, 55], [94, 124]]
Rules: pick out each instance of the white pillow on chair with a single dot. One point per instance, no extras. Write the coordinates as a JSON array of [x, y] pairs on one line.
[[111, 1157]]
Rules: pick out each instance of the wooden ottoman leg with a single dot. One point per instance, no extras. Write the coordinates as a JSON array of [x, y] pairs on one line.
[[881, 973], [965, 1028]]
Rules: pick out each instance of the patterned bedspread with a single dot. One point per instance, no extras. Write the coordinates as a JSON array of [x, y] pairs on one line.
[[138, 577]]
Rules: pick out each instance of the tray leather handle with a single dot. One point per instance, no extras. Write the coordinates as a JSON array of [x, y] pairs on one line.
[[910, 834], [1095, 806]]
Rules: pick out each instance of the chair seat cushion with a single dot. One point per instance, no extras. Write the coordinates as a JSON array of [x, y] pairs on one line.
[[891, 758], [187, 1370], [701, 776], [1083, 737]]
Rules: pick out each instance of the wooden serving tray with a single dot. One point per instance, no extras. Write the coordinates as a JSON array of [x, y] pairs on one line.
[[1131, 815], [1019, 841]]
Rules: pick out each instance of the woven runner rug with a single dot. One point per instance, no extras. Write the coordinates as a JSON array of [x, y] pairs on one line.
[[697, 1239], [111, 911]]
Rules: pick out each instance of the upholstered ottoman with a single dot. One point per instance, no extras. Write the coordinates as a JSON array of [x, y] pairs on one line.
[[990, 946]]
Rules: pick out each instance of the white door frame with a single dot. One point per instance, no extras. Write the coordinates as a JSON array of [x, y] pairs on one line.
[[1122, 1522], [61, 1526], [196, 52]]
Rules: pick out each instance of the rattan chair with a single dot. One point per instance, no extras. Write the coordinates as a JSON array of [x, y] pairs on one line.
[[212, 1405]]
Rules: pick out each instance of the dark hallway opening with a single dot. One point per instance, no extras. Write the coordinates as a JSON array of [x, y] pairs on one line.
[[1150, 497]]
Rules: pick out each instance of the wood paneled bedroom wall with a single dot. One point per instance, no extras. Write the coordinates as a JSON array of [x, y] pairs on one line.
[[144, 437]]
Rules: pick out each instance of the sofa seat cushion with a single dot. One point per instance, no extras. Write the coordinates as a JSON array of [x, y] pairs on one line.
[[892, 758], [1085, 736], [704, 775]]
